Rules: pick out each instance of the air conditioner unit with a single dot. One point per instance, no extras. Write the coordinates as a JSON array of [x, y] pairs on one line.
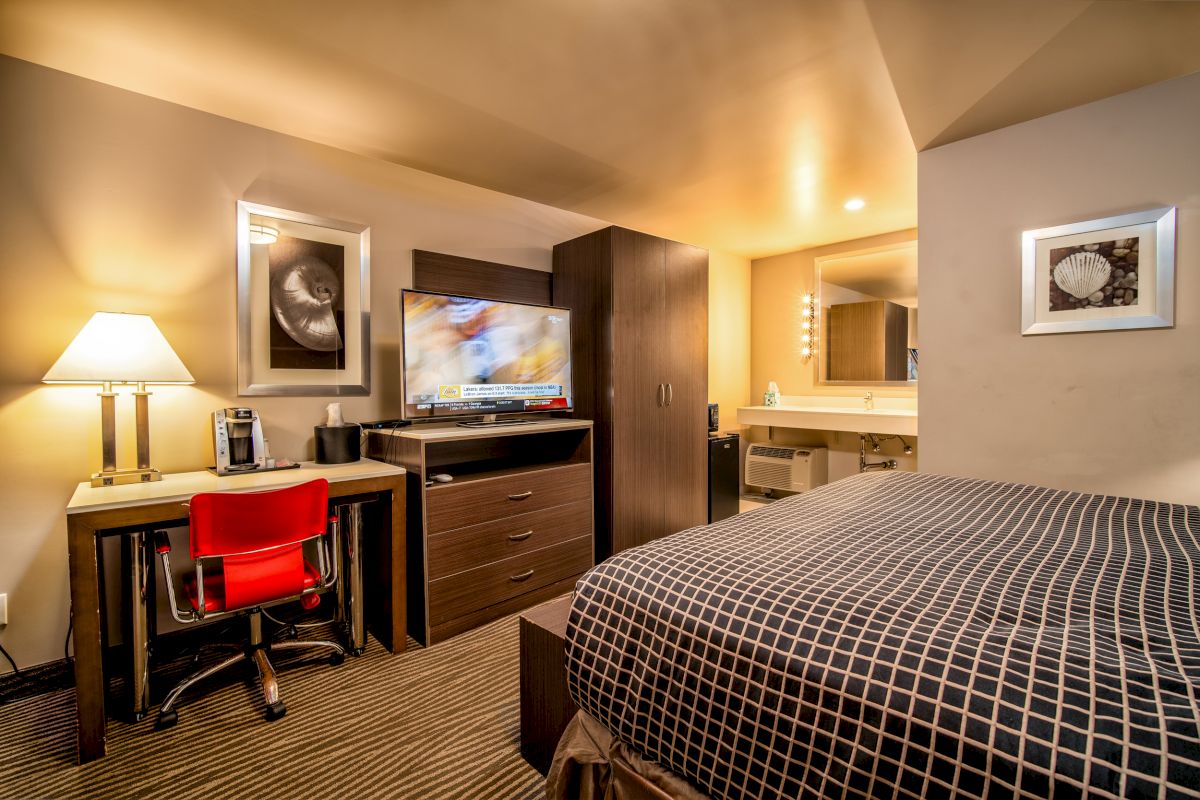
[[792, 469]]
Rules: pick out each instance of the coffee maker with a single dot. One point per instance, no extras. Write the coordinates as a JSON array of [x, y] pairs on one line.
[[238, 441]]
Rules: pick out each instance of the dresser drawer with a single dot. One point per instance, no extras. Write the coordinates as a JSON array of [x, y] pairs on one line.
[[457, 505], [481, 587], [464, 548]]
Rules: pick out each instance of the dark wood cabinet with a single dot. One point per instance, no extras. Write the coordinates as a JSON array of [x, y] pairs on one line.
[[511, 529], [867, 341], [639, 310]]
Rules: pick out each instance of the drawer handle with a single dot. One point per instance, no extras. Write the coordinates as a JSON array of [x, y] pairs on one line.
[[524, 576], [520, 496], [520, 537]]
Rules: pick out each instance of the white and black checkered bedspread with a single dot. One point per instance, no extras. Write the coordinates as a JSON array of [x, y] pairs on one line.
[[899, 634]]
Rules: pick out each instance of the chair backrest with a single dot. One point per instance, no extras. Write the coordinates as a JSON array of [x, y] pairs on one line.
[[238, 522], [258, 536]]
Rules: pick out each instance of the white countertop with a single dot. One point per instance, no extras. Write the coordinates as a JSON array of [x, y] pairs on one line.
[[891, 421], [182, 485]]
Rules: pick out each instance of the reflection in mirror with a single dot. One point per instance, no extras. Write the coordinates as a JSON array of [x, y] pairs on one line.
[[868, 313]]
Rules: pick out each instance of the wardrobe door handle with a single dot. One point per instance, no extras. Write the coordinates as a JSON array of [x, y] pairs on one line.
[[524, 576], [520, 496], [670, 394], [661, 395], [519, 537]]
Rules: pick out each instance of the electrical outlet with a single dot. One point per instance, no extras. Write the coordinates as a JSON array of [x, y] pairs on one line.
[[4, 609]]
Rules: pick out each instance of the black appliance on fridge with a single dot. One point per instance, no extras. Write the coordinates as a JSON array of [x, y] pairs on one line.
[[724, 478]]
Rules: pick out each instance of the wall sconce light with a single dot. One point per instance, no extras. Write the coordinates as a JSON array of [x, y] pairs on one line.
[[263, 234], [808, 335], [120, 348]]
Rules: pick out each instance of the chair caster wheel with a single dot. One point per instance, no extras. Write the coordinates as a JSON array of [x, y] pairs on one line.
[[166, 719], [336, 658], [275, 711], [358, 651]]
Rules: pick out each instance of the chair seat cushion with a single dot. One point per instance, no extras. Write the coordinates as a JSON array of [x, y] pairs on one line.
[[214, 588]]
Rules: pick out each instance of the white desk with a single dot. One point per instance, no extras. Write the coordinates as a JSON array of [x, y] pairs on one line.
[[179, 486], [94, 512]]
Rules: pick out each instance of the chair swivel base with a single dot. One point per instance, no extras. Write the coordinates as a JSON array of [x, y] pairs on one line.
[[275, 709]]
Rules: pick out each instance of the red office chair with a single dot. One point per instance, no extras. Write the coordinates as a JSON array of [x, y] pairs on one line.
[[258, 538]]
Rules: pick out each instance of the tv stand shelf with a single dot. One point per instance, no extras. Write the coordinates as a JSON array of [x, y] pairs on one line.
[[513, 528]]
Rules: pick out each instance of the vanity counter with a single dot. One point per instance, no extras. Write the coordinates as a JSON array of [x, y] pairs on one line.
[[893, 421]]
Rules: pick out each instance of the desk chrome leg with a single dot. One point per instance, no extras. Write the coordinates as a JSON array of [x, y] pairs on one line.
[[139, 639], [351, 522]]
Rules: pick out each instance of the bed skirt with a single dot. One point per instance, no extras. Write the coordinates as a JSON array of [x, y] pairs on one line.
[[591, 764]]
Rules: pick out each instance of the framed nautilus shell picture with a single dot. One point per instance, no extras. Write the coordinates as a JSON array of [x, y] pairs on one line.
[[303, 304], [1115, 273]]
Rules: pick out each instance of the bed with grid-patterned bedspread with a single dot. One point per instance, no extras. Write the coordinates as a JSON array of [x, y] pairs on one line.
[[900, 634]]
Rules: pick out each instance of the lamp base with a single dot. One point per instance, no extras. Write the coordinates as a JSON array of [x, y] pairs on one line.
[[118, 477]]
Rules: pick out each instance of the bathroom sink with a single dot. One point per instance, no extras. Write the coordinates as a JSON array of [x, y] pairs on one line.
[[855, 419]]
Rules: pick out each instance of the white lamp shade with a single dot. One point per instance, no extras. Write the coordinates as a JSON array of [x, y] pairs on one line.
[[121, 348]]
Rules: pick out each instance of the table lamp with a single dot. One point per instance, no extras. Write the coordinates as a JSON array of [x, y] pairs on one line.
[[120, 348]]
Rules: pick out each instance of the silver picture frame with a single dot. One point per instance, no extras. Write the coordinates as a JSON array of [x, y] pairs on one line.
[[256, 376], [1153, 275]]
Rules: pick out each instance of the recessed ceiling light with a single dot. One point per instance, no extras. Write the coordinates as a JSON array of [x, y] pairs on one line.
[[854, 204]]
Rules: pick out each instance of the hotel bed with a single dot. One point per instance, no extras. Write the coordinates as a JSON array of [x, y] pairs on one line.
[[895, 635]]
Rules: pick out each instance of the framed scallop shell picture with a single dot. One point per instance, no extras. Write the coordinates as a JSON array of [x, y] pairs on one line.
[[1115, 273], [303, 304]]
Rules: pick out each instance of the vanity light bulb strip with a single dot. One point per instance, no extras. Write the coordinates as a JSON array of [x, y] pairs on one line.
[[808, 338]]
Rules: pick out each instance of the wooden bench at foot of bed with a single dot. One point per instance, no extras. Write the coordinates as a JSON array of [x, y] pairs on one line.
[[546, 705]]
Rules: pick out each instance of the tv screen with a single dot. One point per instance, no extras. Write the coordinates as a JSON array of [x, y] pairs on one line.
[[464, 356]]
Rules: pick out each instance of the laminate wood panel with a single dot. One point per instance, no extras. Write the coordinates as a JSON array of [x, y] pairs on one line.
[[685, 368], [492, 583], [463, 549], [438, 633], [867, 341], [457, 505], [407, 453], [583, 283], [895, 338], [855, 341], [546, 704], [638, 388], [439, 272]]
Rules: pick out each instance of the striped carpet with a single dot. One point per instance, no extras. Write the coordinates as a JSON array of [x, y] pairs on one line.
[[441, 722]]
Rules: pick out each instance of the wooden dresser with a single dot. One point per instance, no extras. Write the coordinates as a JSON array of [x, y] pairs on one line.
[[512, 529]]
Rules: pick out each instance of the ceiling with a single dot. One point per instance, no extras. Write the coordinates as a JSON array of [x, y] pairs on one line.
[[738, 125]]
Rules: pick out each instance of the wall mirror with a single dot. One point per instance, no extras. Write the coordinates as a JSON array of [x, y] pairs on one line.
[[867, 307]]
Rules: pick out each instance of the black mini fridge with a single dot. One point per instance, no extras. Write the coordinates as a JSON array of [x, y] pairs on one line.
[[724, 480]]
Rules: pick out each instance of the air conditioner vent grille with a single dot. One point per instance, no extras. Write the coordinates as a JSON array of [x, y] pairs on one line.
[[776, 452], [777, 476], [791, 469]]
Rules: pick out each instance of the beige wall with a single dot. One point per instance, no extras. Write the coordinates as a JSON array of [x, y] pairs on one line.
[[777, 284], [115, 201], [1114, 412], [728, 334]]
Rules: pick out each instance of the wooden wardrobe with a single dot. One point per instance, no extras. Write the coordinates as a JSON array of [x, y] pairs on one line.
[[639, 317]]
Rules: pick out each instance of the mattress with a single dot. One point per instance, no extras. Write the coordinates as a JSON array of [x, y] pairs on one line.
[[909, 635]]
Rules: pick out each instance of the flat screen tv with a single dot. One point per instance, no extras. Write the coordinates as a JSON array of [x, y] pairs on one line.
[[465, 356]]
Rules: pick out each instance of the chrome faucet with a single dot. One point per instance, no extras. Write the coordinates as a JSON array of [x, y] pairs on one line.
[[869, 401], [871, 466]]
